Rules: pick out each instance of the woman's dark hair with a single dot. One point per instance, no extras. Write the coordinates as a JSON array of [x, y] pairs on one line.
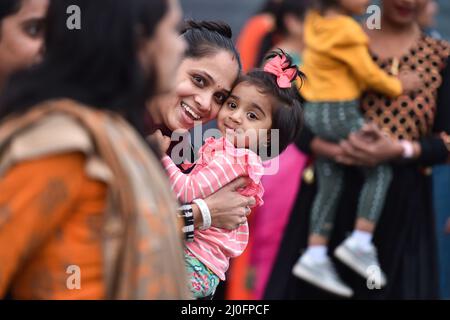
[[7, 8], [206, 38], [97, 65], [287, 115]]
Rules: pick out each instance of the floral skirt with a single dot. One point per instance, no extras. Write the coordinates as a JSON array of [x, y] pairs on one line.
[[202, 282]]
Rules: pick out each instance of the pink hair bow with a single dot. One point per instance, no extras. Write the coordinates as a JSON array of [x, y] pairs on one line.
[[279, 66]]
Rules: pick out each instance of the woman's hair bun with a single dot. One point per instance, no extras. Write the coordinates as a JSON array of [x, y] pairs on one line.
[[220, 27]]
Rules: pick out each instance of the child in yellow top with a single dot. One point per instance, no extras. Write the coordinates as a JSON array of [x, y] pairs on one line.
[[338, 67]]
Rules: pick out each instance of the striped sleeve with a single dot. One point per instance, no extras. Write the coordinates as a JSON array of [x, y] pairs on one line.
[[210, 178]]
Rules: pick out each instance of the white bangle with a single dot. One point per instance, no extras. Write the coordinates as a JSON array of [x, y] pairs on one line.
[[408, 149], [206, 214]]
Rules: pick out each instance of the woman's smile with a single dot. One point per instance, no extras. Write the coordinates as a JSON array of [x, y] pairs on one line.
[[190, 112]]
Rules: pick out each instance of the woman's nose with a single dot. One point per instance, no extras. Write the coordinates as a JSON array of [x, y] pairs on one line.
[[204, 102]]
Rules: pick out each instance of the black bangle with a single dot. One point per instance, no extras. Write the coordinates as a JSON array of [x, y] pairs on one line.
[[188, 215]]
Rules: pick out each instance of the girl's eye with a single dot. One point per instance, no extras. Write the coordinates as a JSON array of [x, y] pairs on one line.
[[252, 116], [232, 105]]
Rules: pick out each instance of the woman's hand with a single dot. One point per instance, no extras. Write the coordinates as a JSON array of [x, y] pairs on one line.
[[326, 149], [369, 148], [410, 81], [229, 209]]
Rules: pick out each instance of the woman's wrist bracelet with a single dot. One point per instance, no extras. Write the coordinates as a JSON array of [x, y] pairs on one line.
[[206, 214], [187, 214], [408, 149]]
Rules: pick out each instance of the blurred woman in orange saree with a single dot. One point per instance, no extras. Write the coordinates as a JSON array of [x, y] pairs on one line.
[[85, 210]]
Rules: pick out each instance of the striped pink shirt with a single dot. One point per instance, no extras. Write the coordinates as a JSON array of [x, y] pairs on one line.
[[219, 163]]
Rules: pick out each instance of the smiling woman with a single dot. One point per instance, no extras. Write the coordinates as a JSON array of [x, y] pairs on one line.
[[204, 79]]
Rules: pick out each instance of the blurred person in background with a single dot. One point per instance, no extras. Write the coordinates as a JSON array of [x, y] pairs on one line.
[[405, 236], [251, 37], [427, 19], [288, 33], [340, 68], [21, 35], [441, 176], [80, 218]]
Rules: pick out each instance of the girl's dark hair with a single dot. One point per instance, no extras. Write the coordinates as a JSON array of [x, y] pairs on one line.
[[206, 38], [9, 7], [287, 115], [97, 65]]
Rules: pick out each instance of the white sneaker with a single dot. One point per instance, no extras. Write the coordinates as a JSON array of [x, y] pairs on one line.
[[322, 275], [363, 260]]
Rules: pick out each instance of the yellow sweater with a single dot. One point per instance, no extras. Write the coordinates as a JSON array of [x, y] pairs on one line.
[[337, 62]]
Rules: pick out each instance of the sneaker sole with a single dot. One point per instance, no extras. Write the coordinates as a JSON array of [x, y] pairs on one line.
[[304, 274], [344, 256]]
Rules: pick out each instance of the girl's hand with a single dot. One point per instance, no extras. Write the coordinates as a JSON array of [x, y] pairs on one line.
[[229, 209], [357, 150], [162, 141], [447, 227]]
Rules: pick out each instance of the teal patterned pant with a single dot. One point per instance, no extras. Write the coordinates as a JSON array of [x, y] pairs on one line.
[[334, 122], [202, 281]]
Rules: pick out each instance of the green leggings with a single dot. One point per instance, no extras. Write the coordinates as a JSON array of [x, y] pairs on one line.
[[334, 122]]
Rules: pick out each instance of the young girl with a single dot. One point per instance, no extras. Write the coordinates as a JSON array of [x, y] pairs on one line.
[[262, 100], [339, 67]]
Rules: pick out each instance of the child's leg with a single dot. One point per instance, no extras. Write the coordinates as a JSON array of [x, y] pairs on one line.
[[371, 199], [330, 179], [314, 266], [332, 122], [357, 251], [202, 282]]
